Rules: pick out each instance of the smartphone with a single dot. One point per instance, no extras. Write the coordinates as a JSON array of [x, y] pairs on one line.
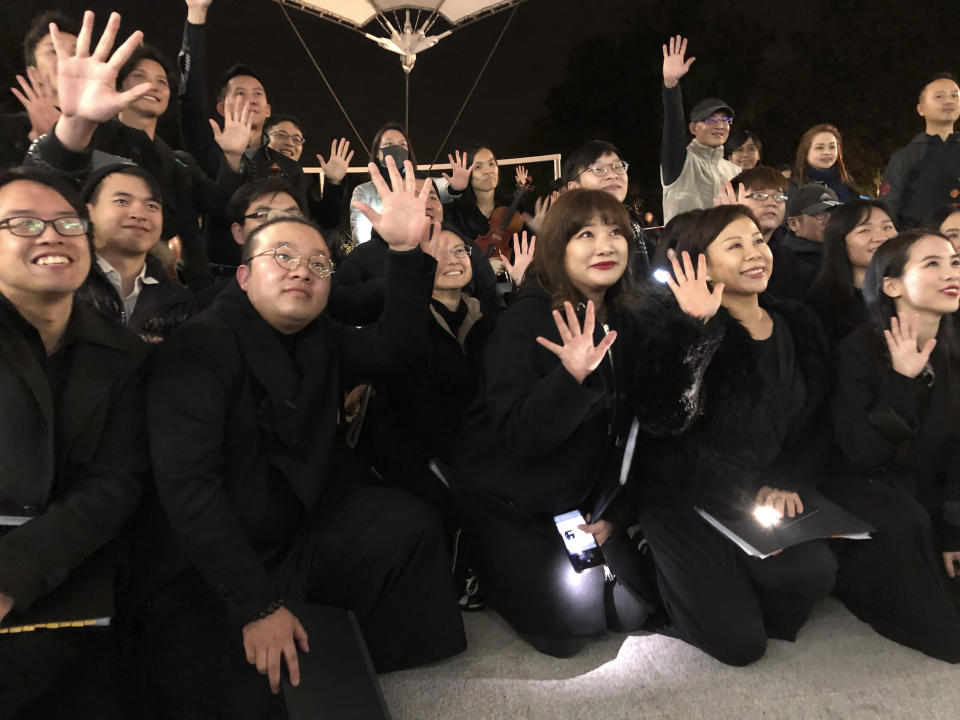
[[582, 549]]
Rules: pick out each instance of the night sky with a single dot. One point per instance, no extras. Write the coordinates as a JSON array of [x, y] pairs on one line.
[[569, 70]]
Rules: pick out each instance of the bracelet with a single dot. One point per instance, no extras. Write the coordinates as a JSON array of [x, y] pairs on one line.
[[270, 609]]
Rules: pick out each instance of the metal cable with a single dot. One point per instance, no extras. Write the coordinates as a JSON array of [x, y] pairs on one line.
[[475, 83], [326, 82]]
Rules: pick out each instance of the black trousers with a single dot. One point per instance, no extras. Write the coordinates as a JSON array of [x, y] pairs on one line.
[[526, 575], [64, 674], [383, 556], [896, 580], [723, 601]]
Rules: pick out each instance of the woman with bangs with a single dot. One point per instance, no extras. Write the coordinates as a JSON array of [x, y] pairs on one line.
[[820, 160], [852, 235], [754, 442], [895, 412], [577, 356]]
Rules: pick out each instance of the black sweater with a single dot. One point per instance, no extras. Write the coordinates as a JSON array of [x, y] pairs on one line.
[[900, 431]]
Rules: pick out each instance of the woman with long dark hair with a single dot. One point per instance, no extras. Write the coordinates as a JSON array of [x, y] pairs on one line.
[[895, 412], [852, 235], [820, 160], [755, 442], [574, 359]]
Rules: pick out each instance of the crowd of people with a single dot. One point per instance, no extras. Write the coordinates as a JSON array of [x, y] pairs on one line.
[[228, 390]]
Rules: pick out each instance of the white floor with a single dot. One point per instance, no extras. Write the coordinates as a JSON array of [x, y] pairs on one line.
[[839, 669]]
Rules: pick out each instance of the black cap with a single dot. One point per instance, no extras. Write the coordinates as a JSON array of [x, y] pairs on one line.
[[811, 199], [705, 108]]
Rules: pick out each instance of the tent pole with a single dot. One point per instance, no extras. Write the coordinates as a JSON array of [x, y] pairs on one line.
[[406, 112]]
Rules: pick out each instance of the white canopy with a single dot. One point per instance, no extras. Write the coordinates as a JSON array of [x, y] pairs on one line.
[[362, 12]]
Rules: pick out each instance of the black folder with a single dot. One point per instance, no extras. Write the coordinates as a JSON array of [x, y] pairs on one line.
[[821, 519], [337, 679]]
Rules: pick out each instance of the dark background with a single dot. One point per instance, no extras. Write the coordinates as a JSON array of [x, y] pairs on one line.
[[569, 70]]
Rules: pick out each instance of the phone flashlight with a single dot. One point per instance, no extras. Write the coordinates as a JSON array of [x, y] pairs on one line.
[[661, 275], [766, 515]]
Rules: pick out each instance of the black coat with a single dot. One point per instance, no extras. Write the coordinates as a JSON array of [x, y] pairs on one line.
[[14, 138], [75, 458], [357, 295], [742, 439], [900, 431], [536, 440], [160, 307], [243, 436]]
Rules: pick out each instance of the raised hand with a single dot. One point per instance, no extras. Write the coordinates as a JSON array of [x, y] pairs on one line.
[[521, 176], [402, 222], [335, 170], [459, 176], [38, 103], [197, 11], [728, 196], [235, 136], [690, 288], [578, 353], [906, 357], [267, 640], [674, 64], [540, 208], [522, 257]]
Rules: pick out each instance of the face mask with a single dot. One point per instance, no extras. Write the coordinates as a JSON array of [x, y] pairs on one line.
[[399, 154]]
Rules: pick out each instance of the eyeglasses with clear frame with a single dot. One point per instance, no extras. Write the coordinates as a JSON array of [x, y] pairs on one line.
[[284, 135], [24, 226], [619, 168], [286, 257], [761, 196], [460, 252], [716, 119]]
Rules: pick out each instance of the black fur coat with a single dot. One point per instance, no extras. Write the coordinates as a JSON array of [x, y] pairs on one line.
[[742, 437]]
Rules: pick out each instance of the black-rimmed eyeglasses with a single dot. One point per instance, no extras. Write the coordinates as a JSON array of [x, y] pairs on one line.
[[24, 226]]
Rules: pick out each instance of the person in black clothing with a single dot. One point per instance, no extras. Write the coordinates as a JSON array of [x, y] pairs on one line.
[[73, 448], [820, 160], [123, 125], [265, 503], [925, 174], [744, 148], [853, 234], [285, 135], [597, 165], [38, 90], [241, 87], [547, 431], [758, 440], [358, 287], [808, 209], [895, 408], [126, 283]]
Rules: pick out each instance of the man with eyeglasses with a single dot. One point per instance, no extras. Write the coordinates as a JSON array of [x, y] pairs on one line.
[[691, 173], [73, 454], [284, 135], [597, 165], [265, 502]]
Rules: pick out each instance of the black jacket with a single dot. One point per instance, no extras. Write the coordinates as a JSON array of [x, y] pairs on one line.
[[243, 431], [801, 259], [743, 438], [160, 307], [921, 178], [418, 407], [263, 162], [838, 315], [536, 440], [72, 453], [14, 138], [357, 295], [186, 190], [900, 431]]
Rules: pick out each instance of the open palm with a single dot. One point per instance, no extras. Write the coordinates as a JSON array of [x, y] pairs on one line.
[[578, 353], [402, 222]]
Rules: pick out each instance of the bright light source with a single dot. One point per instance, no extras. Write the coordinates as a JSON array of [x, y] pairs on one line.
[[767, 516], [661, 275]]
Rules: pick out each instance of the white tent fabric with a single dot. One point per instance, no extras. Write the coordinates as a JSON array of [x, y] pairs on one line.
[[362, 12]]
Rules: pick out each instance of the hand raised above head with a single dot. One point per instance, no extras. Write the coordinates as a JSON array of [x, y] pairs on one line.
[[578, 353], [38, 103], [87, 82], [403, 221], [674, 64], [690, 288]]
